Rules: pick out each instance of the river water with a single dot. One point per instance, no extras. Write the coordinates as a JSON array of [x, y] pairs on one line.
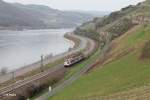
[[21, 48]]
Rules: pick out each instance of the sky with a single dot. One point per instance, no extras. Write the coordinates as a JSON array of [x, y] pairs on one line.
[[88, 5]]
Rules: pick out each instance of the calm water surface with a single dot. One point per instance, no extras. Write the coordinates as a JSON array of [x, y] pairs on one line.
[[20, 48]]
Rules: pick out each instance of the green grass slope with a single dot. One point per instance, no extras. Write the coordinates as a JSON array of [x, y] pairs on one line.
[[126, 69]]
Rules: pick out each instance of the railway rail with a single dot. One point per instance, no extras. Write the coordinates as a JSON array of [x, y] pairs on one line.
[[21, 83], [75, 76]]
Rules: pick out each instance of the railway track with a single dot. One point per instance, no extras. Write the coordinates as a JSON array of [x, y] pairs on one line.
[[21, 83], [26, 81], [74, 77]]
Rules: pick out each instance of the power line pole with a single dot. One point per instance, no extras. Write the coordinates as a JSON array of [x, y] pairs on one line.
[[42, 64], [13, 75], [13, 79]]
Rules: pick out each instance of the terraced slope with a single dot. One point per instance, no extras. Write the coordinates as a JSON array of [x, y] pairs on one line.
[[117, 23]]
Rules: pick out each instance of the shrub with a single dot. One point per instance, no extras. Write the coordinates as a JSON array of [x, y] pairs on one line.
[[121, 27], [146, 50], [20, 97]]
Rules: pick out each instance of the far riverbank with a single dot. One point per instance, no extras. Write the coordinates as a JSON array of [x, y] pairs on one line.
[[22, 48]]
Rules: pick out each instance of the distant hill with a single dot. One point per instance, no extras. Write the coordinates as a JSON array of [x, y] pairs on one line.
[[94, 13], [18, 16]]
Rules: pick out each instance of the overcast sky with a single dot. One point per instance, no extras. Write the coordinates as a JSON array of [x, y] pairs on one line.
[[96, 5]]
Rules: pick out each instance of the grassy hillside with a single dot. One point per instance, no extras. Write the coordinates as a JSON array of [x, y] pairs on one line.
[[122, 72], [125, 72]]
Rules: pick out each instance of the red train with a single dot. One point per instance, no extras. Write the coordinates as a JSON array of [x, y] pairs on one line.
[[73, 59]]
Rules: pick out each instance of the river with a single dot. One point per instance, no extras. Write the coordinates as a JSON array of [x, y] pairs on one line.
[[21, 48]]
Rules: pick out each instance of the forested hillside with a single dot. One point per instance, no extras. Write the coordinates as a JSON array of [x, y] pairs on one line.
[[19, 16]]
